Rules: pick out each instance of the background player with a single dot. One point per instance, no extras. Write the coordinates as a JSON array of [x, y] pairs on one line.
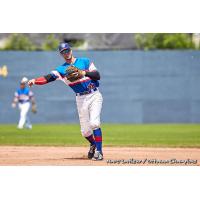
[[24, 97], [88, 98]]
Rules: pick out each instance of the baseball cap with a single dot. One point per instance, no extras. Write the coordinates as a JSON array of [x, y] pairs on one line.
[[24, 80], [63, 46]]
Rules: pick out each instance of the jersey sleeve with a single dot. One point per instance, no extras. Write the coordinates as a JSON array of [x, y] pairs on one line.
[[56, 74], [89, 66], [59, 72], [92, 67]]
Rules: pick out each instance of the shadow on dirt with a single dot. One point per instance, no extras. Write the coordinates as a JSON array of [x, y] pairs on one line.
[[76, 158]]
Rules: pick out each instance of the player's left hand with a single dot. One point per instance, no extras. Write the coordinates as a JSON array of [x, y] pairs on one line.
[[34, 109], [13, 105], [73, 73], [83, 73]]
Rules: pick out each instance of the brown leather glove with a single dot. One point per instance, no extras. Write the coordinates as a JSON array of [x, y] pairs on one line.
[[73, 73], [34, 109]]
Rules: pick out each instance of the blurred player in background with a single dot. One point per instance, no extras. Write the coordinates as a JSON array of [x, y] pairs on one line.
[[88, 97], [24, 97]]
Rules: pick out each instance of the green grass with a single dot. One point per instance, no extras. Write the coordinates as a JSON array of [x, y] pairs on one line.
[[148, 135]]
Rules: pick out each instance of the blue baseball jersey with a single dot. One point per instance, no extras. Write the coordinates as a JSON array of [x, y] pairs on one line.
[[81, 85], [23, 95]]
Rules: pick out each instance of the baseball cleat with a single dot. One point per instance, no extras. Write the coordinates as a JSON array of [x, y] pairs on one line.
[[98, 156], [91, 151]]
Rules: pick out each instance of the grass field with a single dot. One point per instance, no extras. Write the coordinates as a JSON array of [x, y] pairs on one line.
[[148, 135]]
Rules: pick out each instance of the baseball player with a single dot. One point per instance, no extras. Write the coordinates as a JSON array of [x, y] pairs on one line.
[[83, 78], [24, 97]]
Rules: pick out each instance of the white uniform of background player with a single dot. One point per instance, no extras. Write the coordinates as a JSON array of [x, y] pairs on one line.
[[24, 97], [88, 98]]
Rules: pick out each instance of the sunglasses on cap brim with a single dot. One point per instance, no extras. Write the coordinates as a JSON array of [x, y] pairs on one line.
[[65, 51]]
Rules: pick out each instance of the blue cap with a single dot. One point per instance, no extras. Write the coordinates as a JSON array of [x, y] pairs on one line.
[[63, 46]]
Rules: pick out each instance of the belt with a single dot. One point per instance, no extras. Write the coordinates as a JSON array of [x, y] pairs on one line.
[[23, 101], [86, 92]]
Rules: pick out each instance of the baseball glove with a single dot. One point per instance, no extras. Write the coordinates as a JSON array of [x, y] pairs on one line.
[[73, 73], [33, 109]]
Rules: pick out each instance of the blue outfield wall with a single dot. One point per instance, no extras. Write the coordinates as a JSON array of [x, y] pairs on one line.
[[137, 86]]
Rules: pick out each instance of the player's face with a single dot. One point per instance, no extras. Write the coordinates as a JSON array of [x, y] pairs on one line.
[[22, 85], [67, 54]]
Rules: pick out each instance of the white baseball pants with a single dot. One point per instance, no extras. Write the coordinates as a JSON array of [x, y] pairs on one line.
[[24, 120], [89, 110]]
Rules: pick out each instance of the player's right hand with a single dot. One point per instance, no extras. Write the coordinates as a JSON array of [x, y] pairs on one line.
[[13, 105], [31, 82]]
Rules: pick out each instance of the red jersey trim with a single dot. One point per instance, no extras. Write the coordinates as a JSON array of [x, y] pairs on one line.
[[40, 81], [81, 81]]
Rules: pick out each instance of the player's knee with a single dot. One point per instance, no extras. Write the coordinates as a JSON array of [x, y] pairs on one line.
[[85, 133], [95, 124]]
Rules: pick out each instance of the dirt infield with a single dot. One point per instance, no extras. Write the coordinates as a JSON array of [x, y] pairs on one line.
[[113, 156]]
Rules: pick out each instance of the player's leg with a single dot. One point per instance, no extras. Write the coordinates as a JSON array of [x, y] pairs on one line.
[[95, 112], [23, 114], [28, 122], [83, 112]]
